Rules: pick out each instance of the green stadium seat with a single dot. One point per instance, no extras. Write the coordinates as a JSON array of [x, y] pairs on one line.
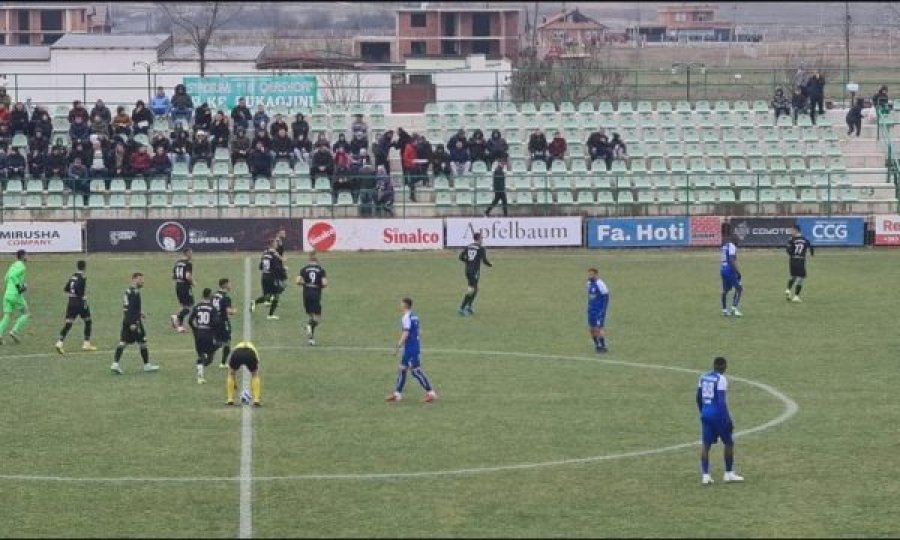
[[706, 196], [748, 196], [137, 200], [442, 199], [179, 200], [768, 195], [726, 196], [116, 200], [760, 106], [200, 199], [786, 195], [55, 200], [55, 186], [19, 141], [241, 200], [809, 195], [644, 107], [98, 185], [848, 194], [587, 108], [321, 198], [625, 107], [782, 180], [777, 165], [484, 198], [722, 105], [741, 106], [836, 164], [303, 198], [158, 200], [797, 164]]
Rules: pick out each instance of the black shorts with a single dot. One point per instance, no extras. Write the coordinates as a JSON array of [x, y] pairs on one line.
[[183, 292], [77, 308], [798, 268], [472, 278], [128, 336], [243, 357], [223, 332], [312, 301], [272, 286], [205, 342]]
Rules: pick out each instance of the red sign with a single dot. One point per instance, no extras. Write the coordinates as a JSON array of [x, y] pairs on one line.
[[706, 230], [321, 236], [887, 230]]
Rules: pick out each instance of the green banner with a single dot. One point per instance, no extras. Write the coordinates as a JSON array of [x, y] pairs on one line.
[[293, 91]]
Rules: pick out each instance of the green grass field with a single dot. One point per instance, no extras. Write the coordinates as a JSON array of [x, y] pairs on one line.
[[87, 453]]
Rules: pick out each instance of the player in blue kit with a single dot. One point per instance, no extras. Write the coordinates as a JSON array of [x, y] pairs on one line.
[[731, 278], [598, 301], [409, 344], [715, 421]]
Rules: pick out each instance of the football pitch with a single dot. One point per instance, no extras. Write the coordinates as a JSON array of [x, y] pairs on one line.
[[533, 433]]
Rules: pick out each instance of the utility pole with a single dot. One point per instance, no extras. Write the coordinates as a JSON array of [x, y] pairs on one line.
[[534, 26], [846, 42]]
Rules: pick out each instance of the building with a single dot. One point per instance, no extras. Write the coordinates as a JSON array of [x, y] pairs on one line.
[[38, 23], [698, 22], [457, 32], [570, 32]]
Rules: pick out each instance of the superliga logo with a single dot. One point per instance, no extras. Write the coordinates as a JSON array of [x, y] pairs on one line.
[[171, 236]]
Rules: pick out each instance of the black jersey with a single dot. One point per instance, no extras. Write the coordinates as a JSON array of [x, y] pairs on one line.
[[473, 255], [131, 306], [271, 266], [183, 272], [204, 318], [222, 302], [279, 246], [798, 247], [313, 276], [76, 286]]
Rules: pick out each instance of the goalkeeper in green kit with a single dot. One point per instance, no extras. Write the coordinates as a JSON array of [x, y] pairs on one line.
[[14, 298]]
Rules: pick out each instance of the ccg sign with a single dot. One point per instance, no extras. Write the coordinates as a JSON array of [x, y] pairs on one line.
[[887, 230], [762, 232], [833, 231], [638, 232], [508, 232], [372, 234], [40, 236], [116, 235]]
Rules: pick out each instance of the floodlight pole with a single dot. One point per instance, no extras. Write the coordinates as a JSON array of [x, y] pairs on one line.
[[147, 66]]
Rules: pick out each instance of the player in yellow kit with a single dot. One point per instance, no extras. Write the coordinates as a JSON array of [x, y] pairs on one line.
[[243, 354]]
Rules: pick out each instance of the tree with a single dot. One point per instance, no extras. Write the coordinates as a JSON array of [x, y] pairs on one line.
[[575, 79], [200, 22]]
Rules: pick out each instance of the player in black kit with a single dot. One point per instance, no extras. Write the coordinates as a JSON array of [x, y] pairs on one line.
[[312, 279], [473, 255], [279, 242], [222, 302], [273, 276], [183, 275], [797, 248], [133, 325], [204, 320], [77, 306]]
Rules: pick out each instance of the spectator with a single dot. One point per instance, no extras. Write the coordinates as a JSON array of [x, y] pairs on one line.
[[594, 146], [240, 146], [79, 131], [459, 158], [881, 101], [815, 91], [854, 117], [202, 151], [140, 164], [260, 119], [3, 177], [262, 136], [277, 125], [160, 164], [100, 109], [365, 184], [440, 162], [322, 163], [220, 131], [341, 144], [619, 150], [604, 152], [382, 151], [18, 119], [118, 161], [78, 111], [141, 118], [477, 146], [5, 137], [423, 155], [15, 164], [781, 104], [498, 149], [384, 192], [39, 142], [260, 162], [241, 115], [98, 167], [322, 140], [159, 104], [82, 150], [410, 168], [37, 165], [403, 139], [78, 179], [5, 99], [122, 122], [360, 133], [302, 148], [360, 160], [4, 115], [557, 148], [40, 120], [459, 136], [300, 126], [499, 189], [203, 118], [182, 106], [55, 165], [283, 147], [341, 161], [343, 180], [160, 140], [799, 104], [181, 146], [100, 126], [537, 146]]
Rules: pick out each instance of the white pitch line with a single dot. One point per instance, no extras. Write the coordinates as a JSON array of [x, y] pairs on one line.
[[246, 486]]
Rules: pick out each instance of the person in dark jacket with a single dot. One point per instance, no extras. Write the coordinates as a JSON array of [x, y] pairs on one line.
[[5, 136], [241, 115], [78, 179], [262, 136], [160, 140], [854, 117], [619, 149], [260, 119], [800, 104], [39, 142], [283, 147], [40, 120], [56, 164], [322, 163], [79, 131], [557, 148], [403, 139], [423, 152], [203, 118], [384, 190], [302, 148], [181, 146], [497, 147], [341, 144], [15, 164], [322, 140], [815, 91], [37, 165], [781, 104], [78, 111], [260, 162], [538, 147], [220, 131], [141, 118], [499, 189], [202, 151], [100, 109], [440, 162], [18, 119], [382, 150], [459, 158], [300, 126], [881, 101], [182, 106], [160, 164], [240, 146], [460, 135], [277, 125], [477, 147]]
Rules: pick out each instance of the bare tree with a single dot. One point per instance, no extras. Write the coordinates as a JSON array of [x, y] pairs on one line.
[[574, 79], [340, 88], [200, 22]]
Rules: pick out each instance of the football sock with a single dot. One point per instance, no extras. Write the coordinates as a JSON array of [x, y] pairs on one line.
[[273, 305], [230, 387], [401, 381], [729, 463], [596, 340], [119, 350], [472, 298], [790, 283], [65, 331], [20, 323], [181, 315], [4, 323], [724, 300], [465, 301], [737, 297], [704, 465], [200, 367], [601, 341], [423, 380], [261, 299], [798, 289], [226, 349], [145, 354], [255, 387], [88, 326], [312, 326]]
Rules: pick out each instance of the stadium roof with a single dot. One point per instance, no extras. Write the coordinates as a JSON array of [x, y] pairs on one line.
[[24, 53], [111, 41]]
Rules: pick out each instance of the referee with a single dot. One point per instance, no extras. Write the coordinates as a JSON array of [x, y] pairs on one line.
[[244, 354], [797, 248]]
